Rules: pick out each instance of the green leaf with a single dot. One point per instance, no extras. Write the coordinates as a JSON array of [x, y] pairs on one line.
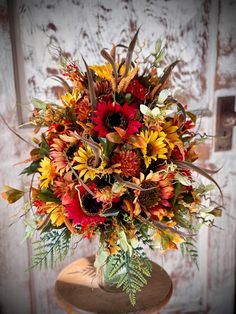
[[158, 45], [192, 116], [159, 57], [135, 268], [117, 187], [123, 241], [188, 248], [47, 196], [184, 180], [163, 95], [44, 147], [148, 112], [11, 195], [110, 213], [32, 168], [114, 137], [101, 258], [182, 221], [51, 247], [145, 110], [217, 212], [107, 146], [203, 189], [39, 104], [177, 187]]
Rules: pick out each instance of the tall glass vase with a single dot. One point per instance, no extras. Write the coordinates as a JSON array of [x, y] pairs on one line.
[[104, 265]]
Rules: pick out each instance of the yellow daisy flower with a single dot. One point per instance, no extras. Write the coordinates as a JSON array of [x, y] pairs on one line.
[[48, 172], [86, 164], [71, 100], [58, 213], [155, 146], [104, 72]]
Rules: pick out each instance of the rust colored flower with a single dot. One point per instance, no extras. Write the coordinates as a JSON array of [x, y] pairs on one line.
[[130, 163], [83, 109]]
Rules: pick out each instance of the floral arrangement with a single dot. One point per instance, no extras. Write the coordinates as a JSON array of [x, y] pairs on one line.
[[115, 159]]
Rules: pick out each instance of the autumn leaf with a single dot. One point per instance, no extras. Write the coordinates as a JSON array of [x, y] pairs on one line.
[[11, 195]]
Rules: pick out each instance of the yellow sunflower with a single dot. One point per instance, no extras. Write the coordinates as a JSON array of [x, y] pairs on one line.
[[48, 172], [86, 163], [172, 137], [155, 146]]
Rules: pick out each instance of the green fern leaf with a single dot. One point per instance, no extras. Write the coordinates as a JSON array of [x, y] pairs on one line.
[[122, 280], [52, 246], [189, 248], [136, 268]]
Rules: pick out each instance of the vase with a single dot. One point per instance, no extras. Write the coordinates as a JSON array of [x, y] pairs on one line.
[[104, 269]]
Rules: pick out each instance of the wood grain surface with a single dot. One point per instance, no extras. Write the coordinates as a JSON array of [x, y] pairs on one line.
[[78, 290]]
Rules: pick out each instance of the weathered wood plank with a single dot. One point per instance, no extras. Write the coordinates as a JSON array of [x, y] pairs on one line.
[[225, 78], [88, 26], [14, 281], [221, 253]]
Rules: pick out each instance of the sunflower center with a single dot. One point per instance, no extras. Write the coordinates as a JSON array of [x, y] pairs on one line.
[[90, 206], [60, 128], [71, 150], [115, 119], [149, 149], [91, 162], [149, 198]]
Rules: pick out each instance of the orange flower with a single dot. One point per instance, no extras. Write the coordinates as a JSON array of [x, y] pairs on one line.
[[154, 198], [62, 146], [64, 188]]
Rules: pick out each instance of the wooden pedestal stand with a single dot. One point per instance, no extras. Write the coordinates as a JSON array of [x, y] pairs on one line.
[[77, 292]]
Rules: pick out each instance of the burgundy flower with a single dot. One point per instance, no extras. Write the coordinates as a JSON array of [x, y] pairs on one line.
[[110, 115], [137, 89]]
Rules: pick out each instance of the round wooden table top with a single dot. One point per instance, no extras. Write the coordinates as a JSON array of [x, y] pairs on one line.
[[77, 291]]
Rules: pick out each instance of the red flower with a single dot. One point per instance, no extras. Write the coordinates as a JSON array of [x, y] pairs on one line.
[[110, 115], [137, 89], [79, 216]]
